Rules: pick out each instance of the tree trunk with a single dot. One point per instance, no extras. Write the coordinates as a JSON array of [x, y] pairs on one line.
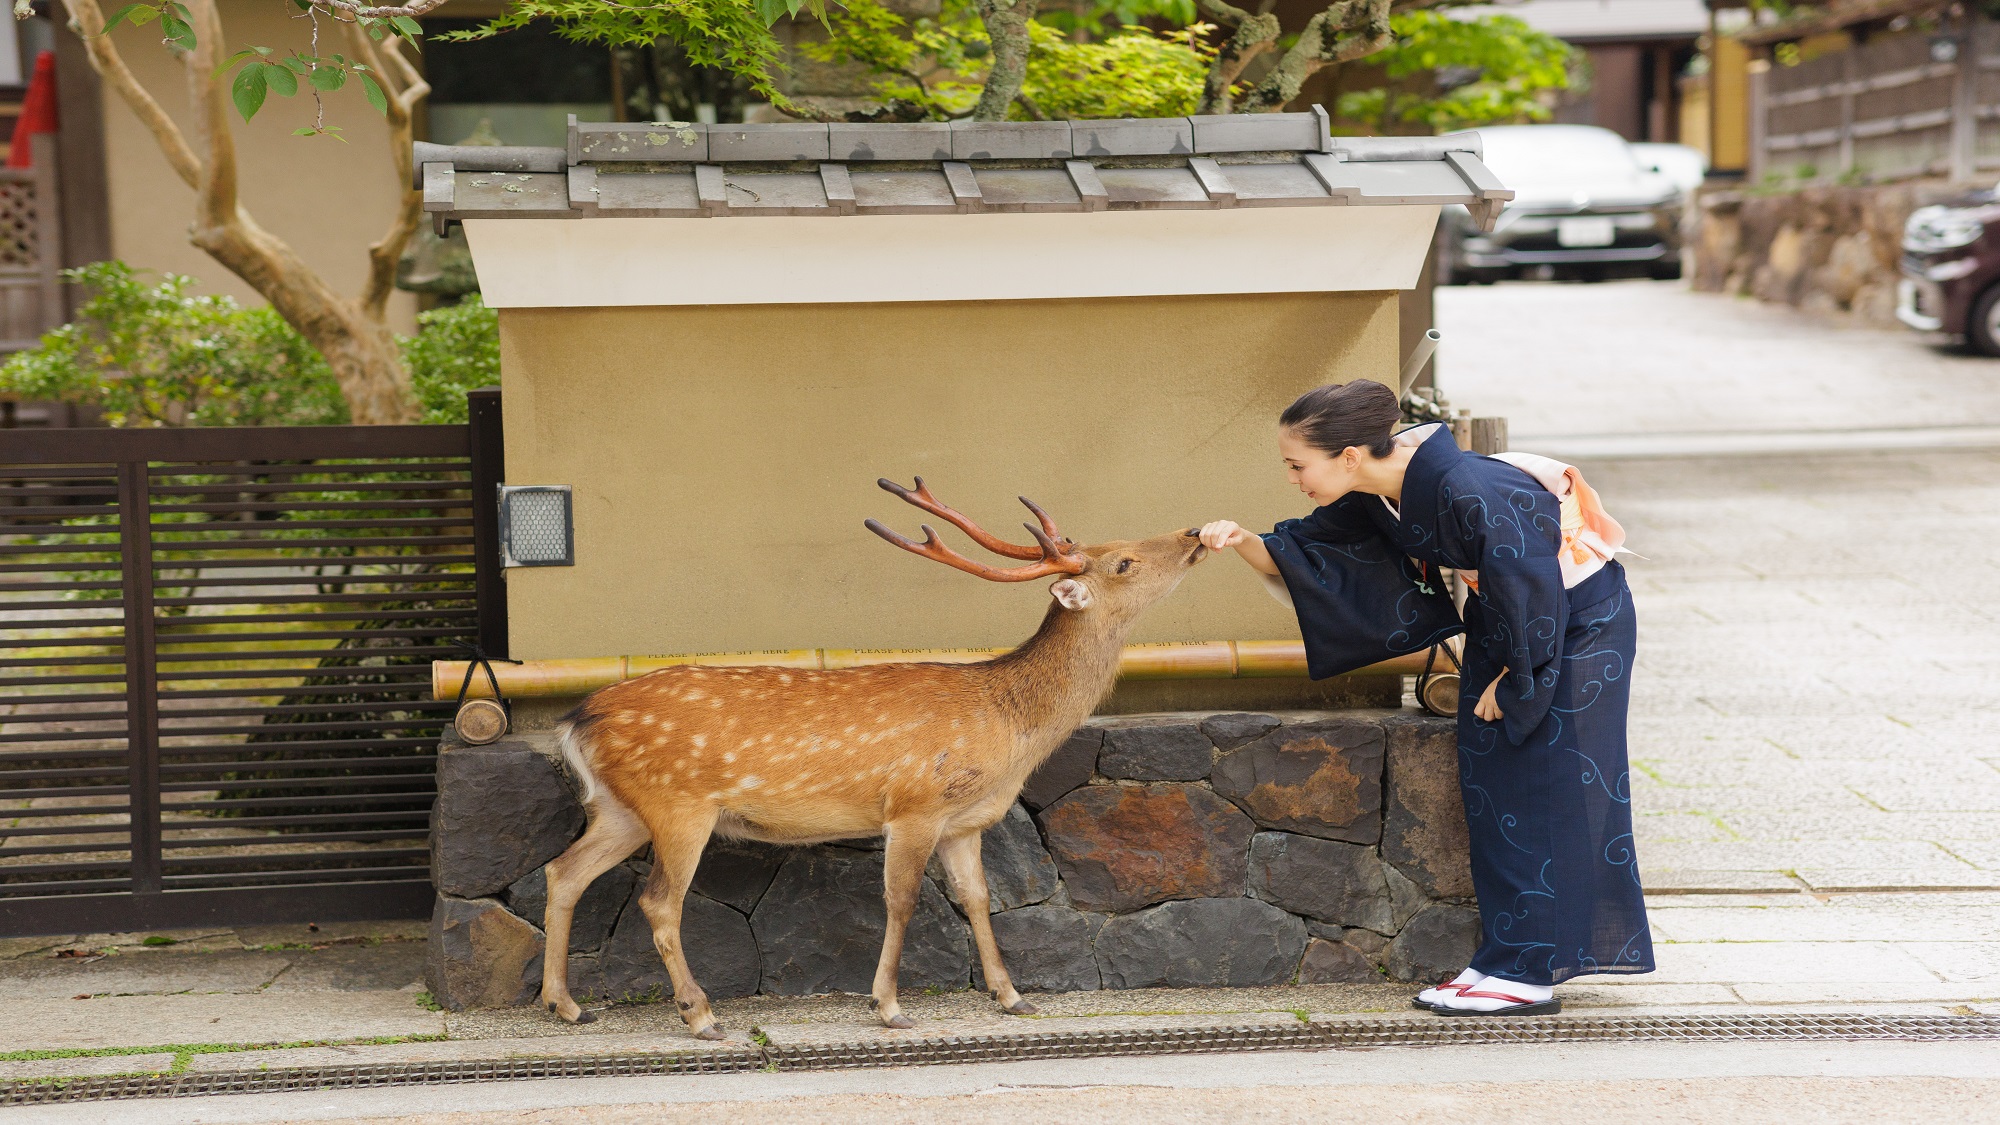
[[351, 333], [1007, 29]]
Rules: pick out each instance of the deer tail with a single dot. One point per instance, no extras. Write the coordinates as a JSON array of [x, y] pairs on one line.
[[573, 736]]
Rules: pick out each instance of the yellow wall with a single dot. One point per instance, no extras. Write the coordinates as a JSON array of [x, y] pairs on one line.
[[724, 457], [329, 200]]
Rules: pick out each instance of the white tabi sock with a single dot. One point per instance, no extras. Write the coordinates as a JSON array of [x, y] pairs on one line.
[[1522, 993], [1468, 979]]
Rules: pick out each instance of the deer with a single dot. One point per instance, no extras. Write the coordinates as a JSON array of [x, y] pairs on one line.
[[925, 755]]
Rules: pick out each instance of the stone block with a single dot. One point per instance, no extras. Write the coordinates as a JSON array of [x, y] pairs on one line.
[[1203, 943], [1405, 898], [1331, 962], [1228, 732], [1333, 882], [737, 872], [1367, 941], [1049, 948], [927, 140], [1011, 140], [1155, 749], [1018, 869], [819, 928], [502, 810], [788, 140], [1318, 778], [1423, 820], [1436, 945], [1323, 930], [1066, 769], [1257, 132], [1121, 847], [720, 951], [480, 955], [596, 912], [1133, 137]]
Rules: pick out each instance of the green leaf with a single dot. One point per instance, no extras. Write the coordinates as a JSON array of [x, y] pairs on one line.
[[248, 90], [328, 78], [769, 10], [139, 14], [181, 11], [283, 82], [297, 64], [375, 96], [175, 32], [409, 28], [792, 6], [232, 60]]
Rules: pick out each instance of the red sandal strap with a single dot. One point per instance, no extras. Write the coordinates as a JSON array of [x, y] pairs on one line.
[[1483, 995]]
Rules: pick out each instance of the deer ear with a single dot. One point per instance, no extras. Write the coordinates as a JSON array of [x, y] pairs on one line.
[[1071, 593]]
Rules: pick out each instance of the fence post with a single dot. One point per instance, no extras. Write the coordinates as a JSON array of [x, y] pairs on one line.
[[489, 471], [1965, 102], [48, 230], [142, 686], [1847, 84]]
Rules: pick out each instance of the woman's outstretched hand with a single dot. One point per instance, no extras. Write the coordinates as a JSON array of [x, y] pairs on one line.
[[1488, 708], [1226, 534], [1223, 534]]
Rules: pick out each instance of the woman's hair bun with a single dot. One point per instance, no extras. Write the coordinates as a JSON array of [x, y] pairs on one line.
[[1340, 416]]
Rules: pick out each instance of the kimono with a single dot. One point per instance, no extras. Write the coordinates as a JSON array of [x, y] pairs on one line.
[[1547, 790]]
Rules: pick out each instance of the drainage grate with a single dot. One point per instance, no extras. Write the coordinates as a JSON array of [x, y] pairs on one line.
[[1357, 1033]]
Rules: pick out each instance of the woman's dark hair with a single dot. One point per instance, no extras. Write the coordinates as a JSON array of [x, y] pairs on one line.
[[1331, 418]]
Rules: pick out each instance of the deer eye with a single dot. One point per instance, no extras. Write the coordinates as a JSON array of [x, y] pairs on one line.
[[1124, 565]]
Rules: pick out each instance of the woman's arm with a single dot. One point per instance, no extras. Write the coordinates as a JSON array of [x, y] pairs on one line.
[[1250, 547]]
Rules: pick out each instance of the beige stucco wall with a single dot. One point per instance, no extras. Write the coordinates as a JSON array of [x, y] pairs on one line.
[[724, 457], [327, 199]]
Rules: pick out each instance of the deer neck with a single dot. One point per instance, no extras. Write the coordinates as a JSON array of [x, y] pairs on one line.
[[1050, 685]]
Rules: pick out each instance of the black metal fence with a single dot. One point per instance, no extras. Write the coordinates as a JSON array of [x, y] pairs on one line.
[[215, 653]]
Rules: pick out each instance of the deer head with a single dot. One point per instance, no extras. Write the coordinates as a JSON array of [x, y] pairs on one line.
[[1114, 580]]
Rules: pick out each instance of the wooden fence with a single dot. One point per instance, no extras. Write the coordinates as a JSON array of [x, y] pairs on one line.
[[1891, 107]]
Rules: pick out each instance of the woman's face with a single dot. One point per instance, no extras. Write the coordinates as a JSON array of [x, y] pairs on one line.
[[1322, 477]]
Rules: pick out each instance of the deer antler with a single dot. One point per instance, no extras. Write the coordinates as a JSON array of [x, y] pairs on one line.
[[1056, 554]]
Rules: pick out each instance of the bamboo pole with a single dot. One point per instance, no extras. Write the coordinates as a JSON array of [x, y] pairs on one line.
[[1195, 660]]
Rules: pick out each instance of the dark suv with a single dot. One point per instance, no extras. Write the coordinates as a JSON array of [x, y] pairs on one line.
[[1951, 270]]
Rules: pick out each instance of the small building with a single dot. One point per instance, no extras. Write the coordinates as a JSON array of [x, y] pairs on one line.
[[719, 336]]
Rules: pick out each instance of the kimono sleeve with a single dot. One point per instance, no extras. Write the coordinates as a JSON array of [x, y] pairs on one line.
[[1524, 608], [1359, 599]]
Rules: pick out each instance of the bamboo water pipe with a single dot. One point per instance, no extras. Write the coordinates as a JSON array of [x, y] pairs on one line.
[[1197, 660]]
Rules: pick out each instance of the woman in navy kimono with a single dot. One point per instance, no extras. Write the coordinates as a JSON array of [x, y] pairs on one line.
[[1546, 678]]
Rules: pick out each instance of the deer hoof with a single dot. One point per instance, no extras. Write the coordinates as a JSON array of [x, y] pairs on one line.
[[711, 1032], [1021, 1008], [586, 1017], [900, 1022]]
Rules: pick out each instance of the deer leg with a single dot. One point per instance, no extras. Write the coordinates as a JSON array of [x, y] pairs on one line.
[[614, 833], [967, 873], [676, 852], [903, 857]]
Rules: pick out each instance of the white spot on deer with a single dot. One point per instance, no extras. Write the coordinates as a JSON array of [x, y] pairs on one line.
[[784, 677], [699, 740], [647, 720], [729, 755], [749, 781], [692, 696]]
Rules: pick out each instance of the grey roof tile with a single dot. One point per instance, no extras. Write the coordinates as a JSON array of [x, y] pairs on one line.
[[1027, 189], [615, 142], [901, 193], [926, 140], [791, 140], [1149, 189], [1258, 132], [1010, 140], [1133, 136]]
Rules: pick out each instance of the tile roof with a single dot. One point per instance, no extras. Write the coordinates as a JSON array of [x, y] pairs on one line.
[[682, 170]]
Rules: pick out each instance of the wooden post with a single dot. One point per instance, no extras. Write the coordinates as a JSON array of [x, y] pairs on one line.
[[1965, 102], [1489, 435], [48, 230], [489, 471], [1759, 114], [1847, 84]]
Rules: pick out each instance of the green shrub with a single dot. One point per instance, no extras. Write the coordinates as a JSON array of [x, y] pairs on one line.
[[158, 355]]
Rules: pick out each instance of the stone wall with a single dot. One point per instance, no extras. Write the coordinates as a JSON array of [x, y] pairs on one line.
[[1176, 850], [1828, 250]]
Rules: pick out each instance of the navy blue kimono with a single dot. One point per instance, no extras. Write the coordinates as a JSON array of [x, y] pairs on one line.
[[1547, 790]]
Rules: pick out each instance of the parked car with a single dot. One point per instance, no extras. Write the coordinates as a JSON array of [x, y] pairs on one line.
[[1584, 207], [1685, 165], [1951, 270]]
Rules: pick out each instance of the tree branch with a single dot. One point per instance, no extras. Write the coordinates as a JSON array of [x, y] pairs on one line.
[[1007, 30], [1253, 35], [1347, 29], [88, 20], [406, 88]]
